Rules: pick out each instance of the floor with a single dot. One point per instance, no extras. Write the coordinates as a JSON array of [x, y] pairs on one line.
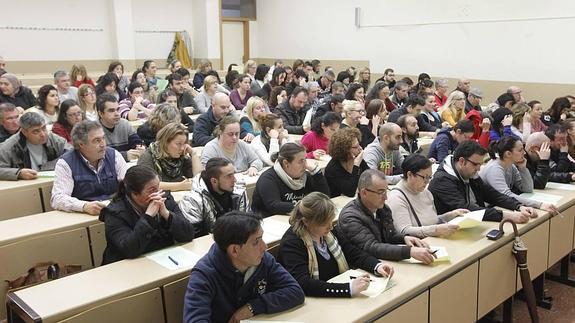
[[562, 311]]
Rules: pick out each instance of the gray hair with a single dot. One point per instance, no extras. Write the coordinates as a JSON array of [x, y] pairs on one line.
[[59, 74], [31, 119], [311, 84], [329, 73], [6, 107], [81, 130], [366, 178], [441, 82]]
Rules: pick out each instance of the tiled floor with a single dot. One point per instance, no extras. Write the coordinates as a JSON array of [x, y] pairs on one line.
[[563, 310]]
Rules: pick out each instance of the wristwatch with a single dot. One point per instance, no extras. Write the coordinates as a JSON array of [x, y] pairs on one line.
[[250, 308]]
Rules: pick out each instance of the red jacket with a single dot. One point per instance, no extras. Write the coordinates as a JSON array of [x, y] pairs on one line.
[[479, 135]]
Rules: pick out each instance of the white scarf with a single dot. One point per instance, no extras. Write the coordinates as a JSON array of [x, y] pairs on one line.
[[294, 184]]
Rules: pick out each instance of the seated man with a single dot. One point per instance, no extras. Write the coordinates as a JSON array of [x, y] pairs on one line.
[[410, 129], [30, 150], [473, 100], [186, 100], [213, 194], [334, 104], [136, 106], [65, 89], [383, 153], [9, 123], [89, 174], [400, 95], [119, 132], [456, 185], [559, 159], [367, 222], [207, 122], [537, 156], [414, 105], [293, 112], [447, 139], [238, 279]]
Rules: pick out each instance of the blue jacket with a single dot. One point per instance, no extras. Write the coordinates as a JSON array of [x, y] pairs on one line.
[[216, 288], [442, 146], [494, 135], [204, 128]]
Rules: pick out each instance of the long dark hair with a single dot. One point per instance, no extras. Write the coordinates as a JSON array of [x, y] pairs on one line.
[[134, 181], [64, 107]]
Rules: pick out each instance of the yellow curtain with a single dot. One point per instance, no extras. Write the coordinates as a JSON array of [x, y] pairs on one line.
[[182, 51]]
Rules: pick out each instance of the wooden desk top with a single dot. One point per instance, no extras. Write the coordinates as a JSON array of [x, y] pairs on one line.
[[19, 184], [42, 223]]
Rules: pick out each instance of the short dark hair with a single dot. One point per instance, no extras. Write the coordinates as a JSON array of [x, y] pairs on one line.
[[414, 163], [102, 99], [467, 149], [504, 98], [134, 181], [415, 100], [299, 74], [556, 128], [183, 71], [327, 119], [213, 168], [297, 90], [133, 86], [174, 77], [235, 227], [43, 94], [465, 126], [337, 98]]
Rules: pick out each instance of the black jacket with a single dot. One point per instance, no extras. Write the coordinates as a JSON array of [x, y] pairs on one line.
[[292, 254], [292, 119], [24, 98], [272, 196], [129, 235], [340, 181], [377, 237], [540, 171], [450, 192]]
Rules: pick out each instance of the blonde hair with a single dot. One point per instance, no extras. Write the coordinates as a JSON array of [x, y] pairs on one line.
[[249, 63], [204, 63], [209, 81], [163, 115], [449, 105], [359, 76], [348, 105], [167, 134], [519, 111], [226, 121], [82, 90], [250, 105], [316, 208]]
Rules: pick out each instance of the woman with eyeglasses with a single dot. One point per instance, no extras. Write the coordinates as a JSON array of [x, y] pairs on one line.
[[68, 116], [507, 172], [229, 146], [454, 108], [412, 205], [313, 252], [354, 117], [172, 158], [346, 164], [87, 101]]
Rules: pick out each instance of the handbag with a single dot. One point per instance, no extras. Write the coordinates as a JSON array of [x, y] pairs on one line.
[[43, 272]]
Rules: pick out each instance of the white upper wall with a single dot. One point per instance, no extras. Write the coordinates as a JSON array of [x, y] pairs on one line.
[[518, 49]]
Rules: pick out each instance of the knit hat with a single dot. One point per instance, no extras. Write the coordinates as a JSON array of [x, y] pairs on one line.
[[13, 80]]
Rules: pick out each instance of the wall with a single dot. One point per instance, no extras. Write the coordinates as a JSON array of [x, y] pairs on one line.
[[513, 50]]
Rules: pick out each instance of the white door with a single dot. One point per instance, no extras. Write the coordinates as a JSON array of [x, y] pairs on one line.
[[233, 39]]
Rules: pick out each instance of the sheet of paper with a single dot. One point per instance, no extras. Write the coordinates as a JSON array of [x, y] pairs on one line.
[[47, 174], [174, 258], [441, 255], [161, 84], [377, 285], [274, 230], [560, 186], [469, 220], [543, 197]]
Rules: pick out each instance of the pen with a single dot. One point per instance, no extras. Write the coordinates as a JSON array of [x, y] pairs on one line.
[[173, 260], [353, 277], [434, 251]]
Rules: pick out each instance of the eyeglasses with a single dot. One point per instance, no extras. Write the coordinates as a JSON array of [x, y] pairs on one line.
[[358, 111], [425, 178], [89, 94], [474, 163], [380, 193]]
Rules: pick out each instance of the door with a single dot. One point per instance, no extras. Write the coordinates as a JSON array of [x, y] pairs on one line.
[[233, 43]]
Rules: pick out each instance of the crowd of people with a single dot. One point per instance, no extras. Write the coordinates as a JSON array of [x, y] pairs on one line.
[[367, 129]]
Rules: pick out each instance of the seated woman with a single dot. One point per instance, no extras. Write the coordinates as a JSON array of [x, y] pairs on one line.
[[172, 158], [135, 106], [356, 92], [272, 137], [411, 203], [428, 112], [521, 125], [242, 93], [162, 115], [170, 97], [291, 178], [346, 164], [316, 140], [535, 115], [312, 252], [507, 172], [354, 117], [250, 126], [87, 101], [501, 126], [68, 116], [204, 98], [142, 218], [150, 91], [79, 76], [557, 112], [454, 108], [108, 83], [277, 96], [202, 71], [229, 146], [117, 68], [12, 91], [376, 114], [380, 90], [149, 68], [48, 104]]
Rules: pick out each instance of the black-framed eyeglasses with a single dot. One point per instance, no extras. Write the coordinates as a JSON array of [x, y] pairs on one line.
[[474, 163], [380, 193], [425, 178]]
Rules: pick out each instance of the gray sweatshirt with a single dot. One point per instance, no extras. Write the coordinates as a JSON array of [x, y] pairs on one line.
[[244, 158], [507, 180], [390, 164]]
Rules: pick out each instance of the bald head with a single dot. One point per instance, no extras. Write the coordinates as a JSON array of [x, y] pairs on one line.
[[220, 105], [388, 128], [536, 140], [390, 136]]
